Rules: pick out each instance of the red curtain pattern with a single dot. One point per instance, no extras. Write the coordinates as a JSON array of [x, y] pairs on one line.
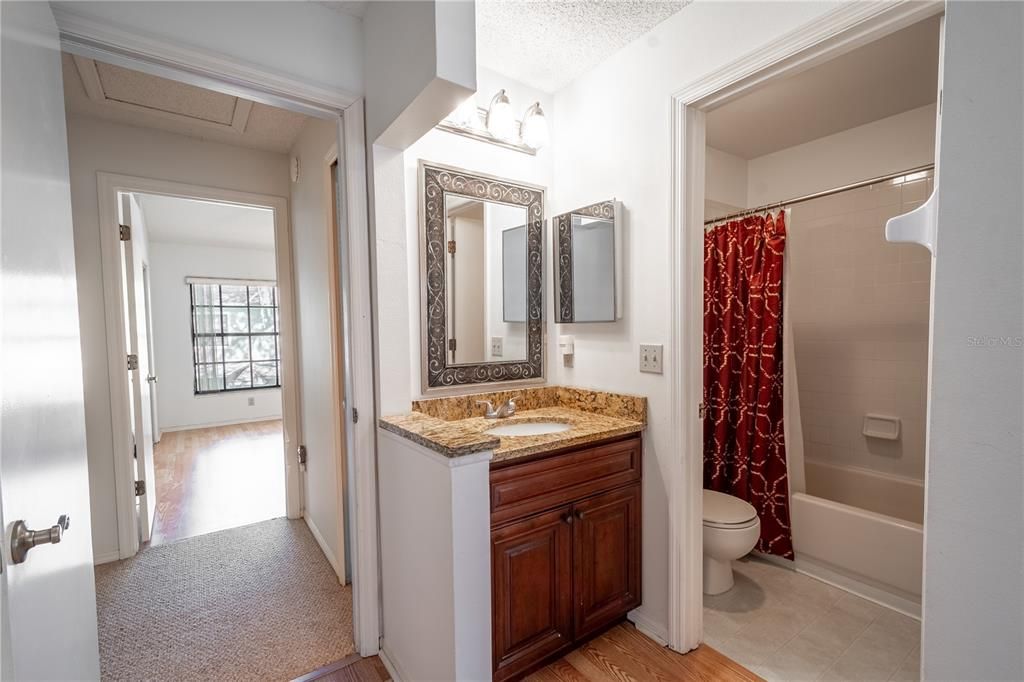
[[744, 447]]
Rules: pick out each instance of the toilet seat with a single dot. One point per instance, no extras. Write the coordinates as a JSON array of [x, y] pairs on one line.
[[726, 511]]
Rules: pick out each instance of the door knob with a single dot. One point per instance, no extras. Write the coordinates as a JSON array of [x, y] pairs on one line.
[[23, 539], [151, 378]]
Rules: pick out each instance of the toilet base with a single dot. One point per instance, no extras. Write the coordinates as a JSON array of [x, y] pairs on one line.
[[717, 575]]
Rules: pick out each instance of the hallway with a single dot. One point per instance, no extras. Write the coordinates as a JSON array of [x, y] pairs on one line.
[[217, 478], [258, 602]]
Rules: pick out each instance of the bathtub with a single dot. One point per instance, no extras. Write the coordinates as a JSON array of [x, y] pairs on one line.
[[873, 549]]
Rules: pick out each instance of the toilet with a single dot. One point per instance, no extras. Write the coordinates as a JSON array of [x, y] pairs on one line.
[[731, 529]]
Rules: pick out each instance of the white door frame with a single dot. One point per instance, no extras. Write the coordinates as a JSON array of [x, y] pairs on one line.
[[826, 37], [205, 69], [109, 186]]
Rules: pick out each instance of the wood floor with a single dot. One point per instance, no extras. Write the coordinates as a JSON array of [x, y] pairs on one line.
[[622, 654], [217, 478]]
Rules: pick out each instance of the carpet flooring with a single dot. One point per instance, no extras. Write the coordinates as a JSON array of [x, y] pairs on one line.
[[259, 602]]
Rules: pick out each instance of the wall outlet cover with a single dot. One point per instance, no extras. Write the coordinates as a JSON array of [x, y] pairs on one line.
[[650, 357], [252, 401], [496, 346]]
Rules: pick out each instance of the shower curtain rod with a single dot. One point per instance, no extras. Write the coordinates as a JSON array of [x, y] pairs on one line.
[[819, 195]]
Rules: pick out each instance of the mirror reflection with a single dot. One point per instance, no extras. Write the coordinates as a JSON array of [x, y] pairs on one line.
[[486, 287], [586, 245]]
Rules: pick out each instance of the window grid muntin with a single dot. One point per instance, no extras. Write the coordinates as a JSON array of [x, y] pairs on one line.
[[220, 336]]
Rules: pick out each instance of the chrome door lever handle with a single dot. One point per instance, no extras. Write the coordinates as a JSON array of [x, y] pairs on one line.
[[151, 378], [23, 539]]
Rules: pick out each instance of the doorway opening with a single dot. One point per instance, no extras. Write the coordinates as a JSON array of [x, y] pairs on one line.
[[802, 174], [216, 238]]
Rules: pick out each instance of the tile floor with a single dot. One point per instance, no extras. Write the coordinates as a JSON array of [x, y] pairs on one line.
[[786, 626]]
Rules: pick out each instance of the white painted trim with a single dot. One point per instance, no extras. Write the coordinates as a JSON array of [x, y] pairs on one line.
[[355, 251], [105, 558], [339, 569], [392, 666], [826, 37], [156, 56], [108, 185], [656, 631], [210, 425]]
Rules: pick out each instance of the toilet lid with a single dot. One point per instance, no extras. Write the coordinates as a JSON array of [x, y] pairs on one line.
[[726, 510]]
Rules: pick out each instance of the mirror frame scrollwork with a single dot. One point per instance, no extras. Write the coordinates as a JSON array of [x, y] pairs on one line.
[[563, 256], [436, 182]]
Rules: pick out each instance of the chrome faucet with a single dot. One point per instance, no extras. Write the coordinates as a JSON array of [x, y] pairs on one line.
[[506, 410]]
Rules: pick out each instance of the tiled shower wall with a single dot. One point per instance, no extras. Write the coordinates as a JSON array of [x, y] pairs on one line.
[[858, 307]]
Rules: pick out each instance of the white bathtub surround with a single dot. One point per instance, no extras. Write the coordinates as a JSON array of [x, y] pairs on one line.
[[435, 537], [787, 626]]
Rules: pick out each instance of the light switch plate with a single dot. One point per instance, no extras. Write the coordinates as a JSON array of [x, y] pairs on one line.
[[650, 357], [496, 346]]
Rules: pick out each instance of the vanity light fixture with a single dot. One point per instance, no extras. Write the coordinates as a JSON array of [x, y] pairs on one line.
[[501, 122], [497, 124], [534, 129]]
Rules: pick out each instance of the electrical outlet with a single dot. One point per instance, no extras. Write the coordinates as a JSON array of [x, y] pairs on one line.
[[650, 357], [252, 402], [496, 346]]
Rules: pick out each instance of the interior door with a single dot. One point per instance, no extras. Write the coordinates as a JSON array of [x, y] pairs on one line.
[[151, 377], [48, 601], [134, 258]]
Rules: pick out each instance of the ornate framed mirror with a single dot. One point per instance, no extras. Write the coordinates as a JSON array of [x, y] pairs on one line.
[[481, 259]]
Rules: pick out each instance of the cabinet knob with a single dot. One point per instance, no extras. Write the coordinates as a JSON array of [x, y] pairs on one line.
[[580, 514], [567, 519]]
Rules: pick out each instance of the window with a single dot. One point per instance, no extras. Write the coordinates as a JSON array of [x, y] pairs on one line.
[[235, 338]]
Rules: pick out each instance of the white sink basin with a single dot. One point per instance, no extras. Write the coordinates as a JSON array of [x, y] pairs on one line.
[[528, 429]]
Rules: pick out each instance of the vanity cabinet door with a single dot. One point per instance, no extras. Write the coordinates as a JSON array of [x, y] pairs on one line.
[[606, 558], [531, 563]]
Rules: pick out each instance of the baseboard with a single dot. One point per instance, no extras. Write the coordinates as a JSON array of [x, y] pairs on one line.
[[880, 596], [391, 665], [656, 631], [208, 425], [105, 557], [331, 559]]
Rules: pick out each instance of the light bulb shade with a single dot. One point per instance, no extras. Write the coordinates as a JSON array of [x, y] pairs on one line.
[[535, 127], [466, 115], [501, 122]]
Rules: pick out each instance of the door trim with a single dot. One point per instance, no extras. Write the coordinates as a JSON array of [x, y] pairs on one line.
[[826, 37], [109, 185]]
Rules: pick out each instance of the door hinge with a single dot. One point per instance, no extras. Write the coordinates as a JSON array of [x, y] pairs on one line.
[[451, 345], [355, 415], [133, 361], [301, 452], [702, 410], [451, 246], [140, 488], [124, 232]]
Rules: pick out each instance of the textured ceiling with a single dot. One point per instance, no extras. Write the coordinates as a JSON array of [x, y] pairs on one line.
[[548, 44], [884, 78], [186, 221], [117, 94]]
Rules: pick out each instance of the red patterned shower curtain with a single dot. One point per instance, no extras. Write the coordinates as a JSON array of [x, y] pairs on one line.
[[744, 447]]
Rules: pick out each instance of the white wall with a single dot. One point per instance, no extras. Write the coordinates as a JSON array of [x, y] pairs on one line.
[[308, 41], [170, 264], [497, 219], [620, 146], [725, 178], [974, 530], [311, 217], [398, 238], [93, 146], [885, 146], [420, 64]]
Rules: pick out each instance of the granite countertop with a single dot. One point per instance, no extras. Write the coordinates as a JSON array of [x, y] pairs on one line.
[[464, 436]]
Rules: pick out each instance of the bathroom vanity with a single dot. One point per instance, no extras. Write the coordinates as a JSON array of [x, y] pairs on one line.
[[541, 532], [565, 550]]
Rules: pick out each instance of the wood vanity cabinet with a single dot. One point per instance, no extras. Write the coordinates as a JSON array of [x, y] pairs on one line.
[[565, 550]]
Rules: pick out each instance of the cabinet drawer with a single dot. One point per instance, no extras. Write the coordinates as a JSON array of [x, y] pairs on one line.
[[531, 487]]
